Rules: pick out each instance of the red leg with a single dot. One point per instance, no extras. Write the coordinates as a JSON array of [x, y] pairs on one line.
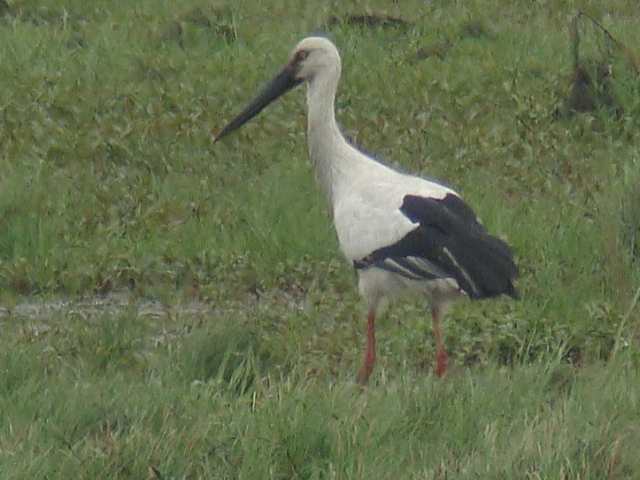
[[442, 358], [370, 352]]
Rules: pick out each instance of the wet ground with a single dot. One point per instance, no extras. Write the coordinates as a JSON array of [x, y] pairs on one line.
[[99, 306]]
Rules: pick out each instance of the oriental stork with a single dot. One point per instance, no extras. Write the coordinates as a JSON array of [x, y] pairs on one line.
[[401, 233]]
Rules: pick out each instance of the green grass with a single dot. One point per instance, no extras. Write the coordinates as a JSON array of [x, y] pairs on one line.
[[109, 183], [113, 399]]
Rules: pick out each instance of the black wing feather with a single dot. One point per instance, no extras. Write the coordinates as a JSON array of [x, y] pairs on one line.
[[449, 242]]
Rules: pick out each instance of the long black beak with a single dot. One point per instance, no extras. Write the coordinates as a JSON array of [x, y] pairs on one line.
[[281, 84]]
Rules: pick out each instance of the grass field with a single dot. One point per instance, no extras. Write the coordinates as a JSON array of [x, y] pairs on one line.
[[111, 191]]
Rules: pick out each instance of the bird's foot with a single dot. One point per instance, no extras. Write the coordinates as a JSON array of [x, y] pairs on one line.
[[442, 360], [364, 373]]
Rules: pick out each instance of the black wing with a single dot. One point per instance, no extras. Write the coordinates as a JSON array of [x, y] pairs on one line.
[[448, 243]]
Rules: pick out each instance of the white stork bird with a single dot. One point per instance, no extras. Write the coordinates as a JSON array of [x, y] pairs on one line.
[[401, 232]]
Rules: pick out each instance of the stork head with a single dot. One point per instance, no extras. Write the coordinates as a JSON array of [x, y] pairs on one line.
[[314, 55], [310, 58]]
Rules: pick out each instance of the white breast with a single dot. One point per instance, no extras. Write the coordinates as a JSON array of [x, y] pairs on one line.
[[367, 213]]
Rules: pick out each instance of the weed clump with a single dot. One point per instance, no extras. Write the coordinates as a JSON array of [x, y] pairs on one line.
[[437, 49], [594, 80], [474, 29], [368, 21], [630, 222], [216, 22], [232, 354], [5, 9], [590, 91]]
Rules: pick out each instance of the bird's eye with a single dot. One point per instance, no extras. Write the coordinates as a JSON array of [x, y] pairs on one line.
[[301, 55]]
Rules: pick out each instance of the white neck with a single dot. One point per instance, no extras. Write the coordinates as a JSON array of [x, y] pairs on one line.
[[328, 149]]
